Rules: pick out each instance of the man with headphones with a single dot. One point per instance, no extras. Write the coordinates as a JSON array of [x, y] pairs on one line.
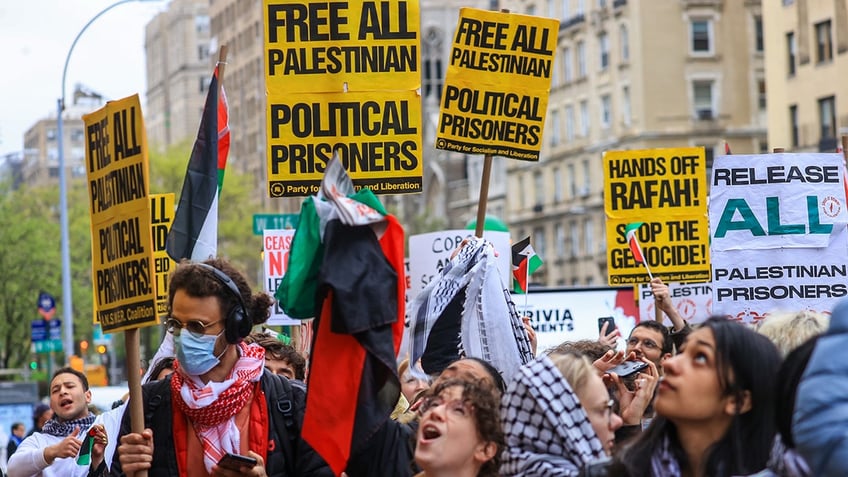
[[220, 400]]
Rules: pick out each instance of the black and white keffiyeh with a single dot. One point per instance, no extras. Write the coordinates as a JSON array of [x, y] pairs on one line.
[[548, 434], [489, 328], [60, 428]]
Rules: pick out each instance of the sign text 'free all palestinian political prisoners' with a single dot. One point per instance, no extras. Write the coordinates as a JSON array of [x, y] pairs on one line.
[[779, 238], [665, 190], [121, 246], [343, 78], [497, 84]]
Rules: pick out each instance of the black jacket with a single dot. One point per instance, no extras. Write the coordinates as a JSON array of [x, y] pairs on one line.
[[291, 457]]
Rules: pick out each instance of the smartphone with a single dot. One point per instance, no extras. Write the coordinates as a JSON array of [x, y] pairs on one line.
[[628, 368], [606, 319], [236, 462]]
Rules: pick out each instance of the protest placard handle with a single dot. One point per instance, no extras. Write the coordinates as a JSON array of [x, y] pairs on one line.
[[134, 382], [484, 195]]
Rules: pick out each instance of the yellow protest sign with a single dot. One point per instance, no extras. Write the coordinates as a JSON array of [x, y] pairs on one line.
[[121, 246], [666, 191], [316, 46], [162, 212], [497, 84], [376, 134]]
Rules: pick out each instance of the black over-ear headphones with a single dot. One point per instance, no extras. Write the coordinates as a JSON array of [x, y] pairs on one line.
[[237, 324]]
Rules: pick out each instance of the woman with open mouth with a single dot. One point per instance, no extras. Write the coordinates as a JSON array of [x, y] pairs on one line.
[[459, 433]]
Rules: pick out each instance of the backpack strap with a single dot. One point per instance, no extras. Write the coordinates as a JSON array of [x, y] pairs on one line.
[[280, 398]]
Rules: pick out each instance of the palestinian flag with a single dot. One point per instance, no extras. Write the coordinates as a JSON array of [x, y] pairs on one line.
[[194, 233], [524, 263], [630, 235]]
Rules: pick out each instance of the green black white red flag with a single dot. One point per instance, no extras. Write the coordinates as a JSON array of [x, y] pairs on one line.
[[194, 233], [524, 263], [630, 231]]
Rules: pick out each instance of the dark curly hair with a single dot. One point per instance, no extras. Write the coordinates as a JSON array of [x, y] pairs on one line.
[[199, 282], [484, 402]]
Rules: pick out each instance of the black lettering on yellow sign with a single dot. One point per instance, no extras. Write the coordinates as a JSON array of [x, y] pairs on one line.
[[124, 134], [492, 103], [98, 142], [381, 156], [117, 187], [123, 281], [654, 193], [310, 22], [378, 25], [370, 118], [489, 129], [494, 35], [501, 63], [343, 59], [119, 240]]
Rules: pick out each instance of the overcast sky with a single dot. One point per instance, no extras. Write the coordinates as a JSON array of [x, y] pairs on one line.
[[36, 36]]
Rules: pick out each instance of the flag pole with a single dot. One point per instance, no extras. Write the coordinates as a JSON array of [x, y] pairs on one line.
[[527, 284], [222, 63]]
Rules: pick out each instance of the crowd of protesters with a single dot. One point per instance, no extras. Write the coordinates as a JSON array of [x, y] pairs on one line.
[[720, 398]]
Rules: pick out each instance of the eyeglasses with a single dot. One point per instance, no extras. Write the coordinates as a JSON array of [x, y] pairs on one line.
[[456, 407], [194, 327], [647, 344]]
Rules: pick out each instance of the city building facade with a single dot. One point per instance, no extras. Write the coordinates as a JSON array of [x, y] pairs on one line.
[[631, 74], [807, 42]]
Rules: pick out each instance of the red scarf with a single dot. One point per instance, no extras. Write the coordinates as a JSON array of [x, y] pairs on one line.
[[215, 405]]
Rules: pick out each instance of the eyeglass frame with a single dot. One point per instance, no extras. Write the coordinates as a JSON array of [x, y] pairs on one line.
[[647, 343], [175, 326]]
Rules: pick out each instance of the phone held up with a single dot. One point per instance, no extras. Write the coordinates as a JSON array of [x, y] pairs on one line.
[[606, 319], [628, 369], [236, 462]]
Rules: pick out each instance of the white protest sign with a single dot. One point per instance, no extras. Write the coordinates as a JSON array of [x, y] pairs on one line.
[[276, 245], [572, 314], [430, 252], [778, 228], [694, 301]]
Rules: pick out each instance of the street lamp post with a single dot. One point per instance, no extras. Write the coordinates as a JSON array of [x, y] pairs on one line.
[[67, 300]]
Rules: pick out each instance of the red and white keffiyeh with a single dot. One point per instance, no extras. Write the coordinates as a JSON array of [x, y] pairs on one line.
[[211, 408]]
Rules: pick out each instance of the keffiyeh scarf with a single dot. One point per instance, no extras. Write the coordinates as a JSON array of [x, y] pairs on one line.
[[59, 428], [211, 408], [547, 431], [489, 326]]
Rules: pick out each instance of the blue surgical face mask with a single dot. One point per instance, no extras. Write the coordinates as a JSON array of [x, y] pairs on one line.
[[196, 353]]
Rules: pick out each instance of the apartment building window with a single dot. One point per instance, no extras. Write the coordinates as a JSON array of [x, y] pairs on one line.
[[761, 95], [603, 44], [569, 123], [77, 135], [539, 241], [572, 181], [790, 53], [202, 52], [567, 62], [626, 114], [587, 177], [824, 47], [701, 31], [531, 9], [589, 236], [575, 239], [559, 238], [204, 83], [793, 125], [584, 118], [555, 127], [539, 188], [606, 111], [557, 185], [827, 117], [431, 59], [201, 23], [566, 11], [50, 134], [702, 93], [624, 42], [581, 7], [552, 9], [581, 59], [758, 33]]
